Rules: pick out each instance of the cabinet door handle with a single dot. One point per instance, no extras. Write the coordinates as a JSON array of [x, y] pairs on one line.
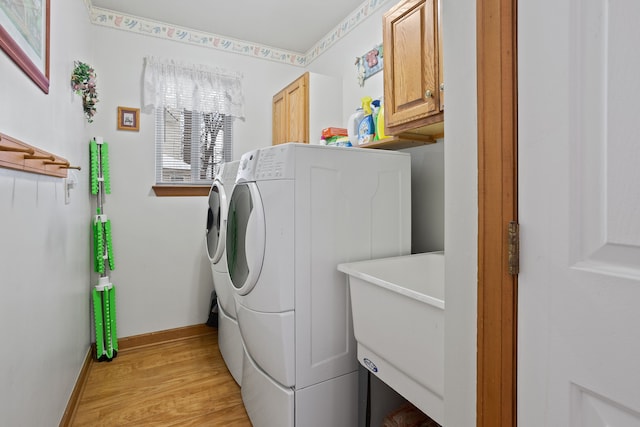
[[441, 87], [428, 94]]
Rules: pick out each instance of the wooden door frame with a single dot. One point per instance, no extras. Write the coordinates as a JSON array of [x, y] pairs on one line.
[[497, 206]]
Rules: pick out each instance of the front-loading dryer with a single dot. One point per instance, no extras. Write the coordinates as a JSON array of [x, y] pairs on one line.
[[296, 212], [229, 340]]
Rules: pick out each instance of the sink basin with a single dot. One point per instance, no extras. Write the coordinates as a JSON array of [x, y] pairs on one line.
[[398, 322]]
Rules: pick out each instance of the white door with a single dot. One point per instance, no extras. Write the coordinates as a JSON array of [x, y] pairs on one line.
[[579, 210]]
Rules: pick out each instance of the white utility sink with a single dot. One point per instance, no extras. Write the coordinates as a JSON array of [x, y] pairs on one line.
[[398, 322]]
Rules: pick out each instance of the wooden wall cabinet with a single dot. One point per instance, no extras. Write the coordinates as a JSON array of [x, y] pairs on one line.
[[413, 77], [291, 112], [304, 107]]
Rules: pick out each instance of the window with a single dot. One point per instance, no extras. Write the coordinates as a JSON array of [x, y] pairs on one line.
[[195, 107], [191, 145]]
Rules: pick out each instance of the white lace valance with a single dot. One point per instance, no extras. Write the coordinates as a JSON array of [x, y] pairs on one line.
[[191, 87]]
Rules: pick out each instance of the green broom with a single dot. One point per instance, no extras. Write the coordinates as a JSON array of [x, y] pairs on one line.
[[103, 294]]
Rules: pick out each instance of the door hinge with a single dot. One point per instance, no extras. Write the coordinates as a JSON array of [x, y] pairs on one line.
[[514, 248]]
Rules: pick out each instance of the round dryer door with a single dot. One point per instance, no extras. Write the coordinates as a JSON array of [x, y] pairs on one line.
[[216, 222], [245, 237]]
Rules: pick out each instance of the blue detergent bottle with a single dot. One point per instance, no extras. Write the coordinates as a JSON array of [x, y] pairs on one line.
[[366, 128]]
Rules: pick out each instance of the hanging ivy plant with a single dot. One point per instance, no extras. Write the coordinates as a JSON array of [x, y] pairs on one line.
[[83, 82]]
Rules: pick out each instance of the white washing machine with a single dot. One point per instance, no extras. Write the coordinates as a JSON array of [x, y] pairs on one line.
[[296, 212], [229, 340]]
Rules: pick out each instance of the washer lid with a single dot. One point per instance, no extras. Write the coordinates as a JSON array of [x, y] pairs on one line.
[[216, 222], [245, 237]]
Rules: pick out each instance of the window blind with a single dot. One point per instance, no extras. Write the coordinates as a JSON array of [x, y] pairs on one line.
[[194, 110], [191, 145]]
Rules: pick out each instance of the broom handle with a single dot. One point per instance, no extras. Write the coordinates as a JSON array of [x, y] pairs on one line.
[[100, 179]]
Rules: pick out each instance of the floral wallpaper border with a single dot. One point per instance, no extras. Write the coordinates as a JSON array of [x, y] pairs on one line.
[[353, 20], [139, 25]]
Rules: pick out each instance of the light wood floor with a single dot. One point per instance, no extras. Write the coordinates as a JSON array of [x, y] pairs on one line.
[[181, 383]]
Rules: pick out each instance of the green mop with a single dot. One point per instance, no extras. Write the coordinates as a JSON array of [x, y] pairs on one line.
[[104, 293]]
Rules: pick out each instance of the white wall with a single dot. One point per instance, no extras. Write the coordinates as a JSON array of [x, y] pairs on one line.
[[44, 248], [162, 274], [427, 197], [461, 211], [339, 61]]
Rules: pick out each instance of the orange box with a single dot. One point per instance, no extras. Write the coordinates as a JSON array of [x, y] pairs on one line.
[[329, 132]]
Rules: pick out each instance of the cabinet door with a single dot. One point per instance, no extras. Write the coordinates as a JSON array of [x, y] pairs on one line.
[[279, 122], [298, 109], [410, 66]]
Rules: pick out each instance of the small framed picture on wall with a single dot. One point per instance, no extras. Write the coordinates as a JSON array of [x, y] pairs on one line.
[[128, 118]]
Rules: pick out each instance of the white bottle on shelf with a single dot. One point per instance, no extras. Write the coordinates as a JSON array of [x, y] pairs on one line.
[[352, 126]]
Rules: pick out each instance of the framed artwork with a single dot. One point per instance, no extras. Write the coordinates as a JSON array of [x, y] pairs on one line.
[[369, 63], [24, 36], [128, 118]]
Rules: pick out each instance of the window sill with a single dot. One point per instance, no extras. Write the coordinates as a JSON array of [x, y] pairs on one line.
[[181, 190]]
